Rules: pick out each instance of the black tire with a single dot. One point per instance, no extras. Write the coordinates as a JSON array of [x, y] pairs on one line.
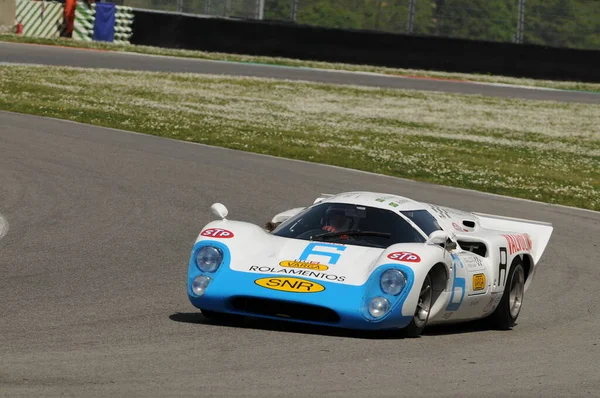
[[505, 315], [416, 325]]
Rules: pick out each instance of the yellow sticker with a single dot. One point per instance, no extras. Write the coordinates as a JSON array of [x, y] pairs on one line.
[[478, 282], [293, 285], [303, 264]]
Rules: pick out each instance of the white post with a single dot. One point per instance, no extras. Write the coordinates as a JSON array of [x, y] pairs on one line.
[[294, 10], [411, 16], [260, 12], [520, 22]]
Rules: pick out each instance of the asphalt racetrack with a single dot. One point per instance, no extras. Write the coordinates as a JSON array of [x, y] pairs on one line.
[[93, 271], [62, 56]]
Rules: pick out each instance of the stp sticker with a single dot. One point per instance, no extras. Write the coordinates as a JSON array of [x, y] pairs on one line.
[[217, 233], [404, 256]]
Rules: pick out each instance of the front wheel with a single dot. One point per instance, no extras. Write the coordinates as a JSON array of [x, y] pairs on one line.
[[421, 316], [505, 315]]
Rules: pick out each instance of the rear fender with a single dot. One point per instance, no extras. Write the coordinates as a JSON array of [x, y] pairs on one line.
[[538, 232]]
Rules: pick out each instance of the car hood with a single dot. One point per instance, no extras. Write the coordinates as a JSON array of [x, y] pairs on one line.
[[254, 250], [324, 261]]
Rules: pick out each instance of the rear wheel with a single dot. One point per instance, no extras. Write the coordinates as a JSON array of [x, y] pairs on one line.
[[507, 312], [421, 316]]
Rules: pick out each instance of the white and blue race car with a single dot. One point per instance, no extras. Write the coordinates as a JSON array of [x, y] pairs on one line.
[[364, 260]]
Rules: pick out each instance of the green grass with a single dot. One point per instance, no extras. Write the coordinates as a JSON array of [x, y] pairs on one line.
[[538, 150], [563, 85]]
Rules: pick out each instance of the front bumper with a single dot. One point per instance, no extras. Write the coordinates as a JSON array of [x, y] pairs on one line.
[[337, 305]]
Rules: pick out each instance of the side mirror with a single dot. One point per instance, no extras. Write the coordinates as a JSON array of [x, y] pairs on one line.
[[441, 238], [219, 210], [270, 226], [438, 237]]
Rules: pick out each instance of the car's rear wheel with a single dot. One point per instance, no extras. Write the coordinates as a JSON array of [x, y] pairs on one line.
[[421, 316], [508, 310]]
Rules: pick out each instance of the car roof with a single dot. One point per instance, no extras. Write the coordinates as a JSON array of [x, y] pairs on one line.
[[373, 199]]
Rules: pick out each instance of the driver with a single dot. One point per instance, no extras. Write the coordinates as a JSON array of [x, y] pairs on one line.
[[336, 220]]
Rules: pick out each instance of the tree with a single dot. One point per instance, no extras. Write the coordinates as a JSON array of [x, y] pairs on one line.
[[476, 19], [568, 23], [278, 9], [547, 21]]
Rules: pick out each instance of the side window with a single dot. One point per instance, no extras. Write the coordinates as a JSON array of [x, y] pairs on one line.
[[386, 221], [424, 220]]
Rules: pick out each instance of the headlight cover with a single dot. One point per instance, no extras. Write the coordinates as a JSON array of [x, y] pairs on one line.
[[392, 282], [378, 307], [199, 284], [208, 258]]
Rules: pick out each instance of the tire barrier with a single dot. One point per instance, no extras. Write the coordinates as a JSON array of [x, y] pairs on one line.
[[85, 18], [40, 19], [123, 22], [85, 14]]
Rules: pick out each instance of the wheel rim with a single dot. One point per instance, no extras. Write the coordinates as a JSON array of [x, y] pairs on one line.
[[424, 304], [517, 288]]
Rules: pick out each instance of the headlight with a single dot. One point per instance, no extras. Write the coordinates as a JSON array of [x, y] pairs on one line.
[[378, 307], [209, 258], [199, 284], [392, 282]]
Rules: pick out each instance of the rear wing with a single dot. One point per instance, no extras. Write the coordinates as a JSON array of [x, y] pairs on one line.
[[539, 232]]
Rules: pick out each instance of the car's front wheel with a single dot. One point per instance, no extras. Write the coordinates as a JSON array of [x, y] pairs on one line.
[[421, 316], [506, 314]]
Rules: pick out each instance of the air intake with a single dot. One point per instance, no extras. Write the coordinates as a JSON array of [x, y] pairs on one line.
[[283, 309]]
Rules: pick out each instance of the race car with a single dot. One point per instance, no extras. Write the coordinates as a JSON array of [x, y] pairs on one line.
[[365, 260]]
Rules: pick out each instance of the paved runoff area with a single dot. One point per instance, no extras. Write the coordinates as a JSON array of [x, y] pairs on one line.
[[93, 281]]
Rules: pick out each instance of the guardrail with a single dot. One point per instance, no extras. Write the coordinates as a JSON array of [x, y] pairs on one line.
[[175, 30]]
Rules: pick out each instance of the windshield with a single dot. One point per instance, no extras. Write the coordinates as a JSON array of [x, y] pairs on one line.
[[424, 220], [350, 224]]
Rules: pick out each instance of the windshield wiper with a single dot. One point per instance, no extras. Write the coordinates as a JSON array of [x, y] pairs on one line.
[[352, 232]]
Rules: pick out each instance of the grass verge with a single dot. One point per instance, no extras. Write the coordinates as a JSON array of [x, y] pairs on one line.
[[545, 151], [562, 85]]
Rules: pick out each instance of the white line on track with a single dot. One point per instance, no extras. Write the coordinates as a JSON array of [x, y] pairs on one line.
[[3, 226]]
